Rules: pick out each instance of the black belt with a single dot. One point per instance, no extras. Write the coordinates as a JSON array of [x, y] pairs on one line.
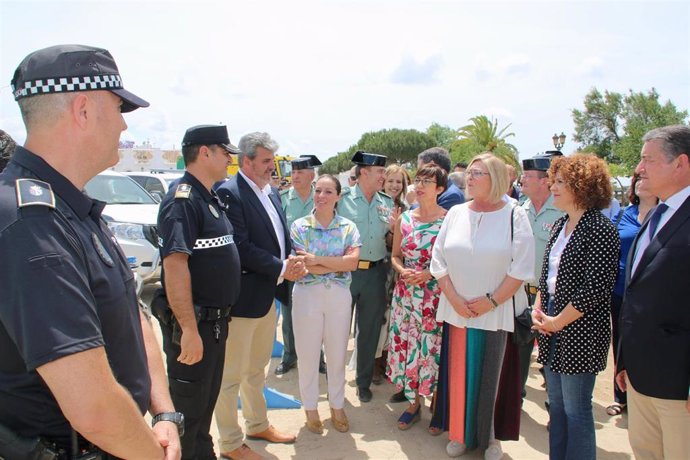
[[212, 314], [367, 264]]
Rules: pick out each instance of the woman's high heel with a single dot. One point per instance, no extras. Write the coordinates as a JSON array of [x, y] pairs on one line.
[[340, 424]]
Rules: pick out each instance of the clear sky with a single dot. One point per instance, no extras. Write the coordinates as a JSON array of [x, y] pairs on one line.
[[317, 75]]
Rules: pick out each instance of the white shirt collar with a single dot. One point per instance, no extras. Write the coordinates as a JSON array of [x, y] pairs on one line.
[[266, 190]]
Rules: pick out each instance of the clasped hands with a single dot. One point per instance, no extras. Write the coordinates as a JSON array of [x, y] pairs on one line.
[[296, 267], [472, 308], [543, 323], [415, 277]]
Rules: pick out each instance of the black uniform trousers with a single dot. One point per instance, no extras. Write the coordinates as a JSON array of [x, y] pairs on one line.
[[194, 389]]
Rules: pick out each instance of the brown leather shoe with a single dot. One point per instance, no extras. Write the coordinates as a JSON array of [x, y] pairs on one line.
[[241, 453], [271, 434]]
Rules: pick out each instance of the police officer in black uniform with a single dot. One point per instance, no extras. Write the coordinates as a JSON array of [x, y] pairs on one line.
[[79, 364], [201, 282]]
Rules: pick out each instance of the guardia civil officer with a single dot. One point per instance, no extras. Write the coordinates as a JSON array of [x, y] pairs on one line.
[[201, 282], [297, 201], [79, 364], [542, 215], [370, 209]]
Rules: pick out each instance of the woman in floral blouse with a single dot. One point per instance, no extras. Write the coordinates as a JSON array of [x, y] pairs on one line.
[[415, 336], [321, 301]]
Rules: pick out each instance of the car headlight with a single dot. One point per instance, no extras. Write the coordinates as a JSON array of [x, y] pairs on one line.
[[127, 231]]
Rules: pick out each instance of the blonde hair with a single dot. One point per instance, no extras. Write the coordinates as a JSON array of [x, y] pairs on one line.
[[397, 169], [498, 173]]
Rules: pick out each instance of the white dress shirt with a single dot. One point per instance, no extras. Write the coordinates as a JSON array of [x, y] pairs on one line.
[[674, 202]]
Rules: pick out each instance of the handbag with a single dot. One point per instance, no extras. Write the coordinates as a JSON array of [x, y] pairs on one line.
[[522, 323]]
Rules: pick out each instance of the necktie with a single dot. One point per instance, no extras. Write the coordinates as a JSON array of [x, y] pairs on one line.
[[656, 217]]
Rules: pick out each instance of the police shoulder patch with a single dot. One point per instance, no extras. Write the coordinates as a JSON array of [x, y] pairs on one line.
[[32, 192], [183, 191]]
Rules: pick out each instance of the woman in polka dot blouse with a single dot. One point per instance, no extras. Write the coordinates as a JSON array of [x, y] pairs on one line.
[[573, 304]]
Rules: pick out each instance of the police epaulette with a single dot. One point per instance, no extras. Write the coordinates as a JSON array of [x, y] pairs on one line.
[[183, 191], [283, 192], [32, 192], [385, 194]]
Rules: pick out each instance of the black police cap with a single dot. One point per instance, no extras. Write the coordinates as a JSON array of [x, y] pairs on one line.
[[369, 159], [69, 68], [305, 162], [209, 135], [540, 162]]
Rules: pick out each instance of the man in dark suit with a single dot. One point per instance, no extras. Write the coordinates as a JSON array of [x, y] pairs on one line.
[[263, 242], [654, 345]]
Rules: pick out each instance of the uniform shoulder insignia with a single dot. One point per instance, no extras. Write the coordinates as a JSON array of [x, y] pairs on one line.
[[32, 192], [183, 191], [346, 191], [284, 192], [384, 194]]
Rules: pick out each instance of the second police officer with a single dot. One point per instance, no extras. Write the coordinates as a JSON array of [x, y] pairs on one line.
[[297, 201], [201, 281], [370, 209]]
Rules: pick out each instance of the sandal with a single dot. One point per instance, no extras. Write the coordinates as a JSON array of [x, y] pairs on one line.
[[615, 409], [434, 430], [408, 419]]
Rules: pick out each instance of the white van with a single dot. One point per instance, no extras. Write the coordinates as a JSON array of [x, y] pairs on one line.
[[131, 213]]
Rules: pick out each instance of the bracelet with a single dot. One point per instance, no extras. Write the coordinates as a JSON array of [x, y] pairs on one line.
[[493, 301]]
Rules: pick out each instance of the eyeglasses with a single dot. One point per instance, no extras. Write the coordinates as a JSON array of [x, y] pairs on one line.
[[353, 177], [418, 180], [476, 174]]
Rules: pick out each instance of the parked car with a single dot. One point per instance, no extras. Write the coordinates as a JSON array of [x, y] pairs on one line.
[[156, 183], [131, 214]]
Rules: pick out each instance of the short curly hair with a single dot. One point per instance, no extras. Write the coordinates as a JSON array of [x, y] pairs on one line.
[[588, 178]]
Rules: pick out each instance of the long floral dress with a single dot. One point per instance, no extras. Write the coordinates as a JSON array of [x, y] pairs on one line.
[[414, 334]]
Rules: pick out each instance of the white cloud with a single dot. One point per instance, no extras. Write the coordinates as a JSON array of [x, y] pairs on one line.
[[592, 67]]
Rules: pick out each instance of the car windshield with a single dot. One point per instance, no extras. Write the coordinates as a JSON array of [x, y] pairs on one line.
[[117, 190]]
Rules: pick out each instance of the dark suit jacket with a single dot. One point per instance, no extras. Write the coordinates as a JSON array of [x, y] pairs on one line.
[[452, 196], [258, 247], [654, 345]]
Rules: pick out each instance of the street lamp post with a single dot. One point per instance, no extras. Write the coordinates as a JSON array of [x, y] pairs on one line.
[[558, 141]]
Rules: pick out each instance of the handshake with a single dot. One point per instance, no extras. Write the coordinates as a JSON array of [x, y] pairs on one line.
[[295, 269]]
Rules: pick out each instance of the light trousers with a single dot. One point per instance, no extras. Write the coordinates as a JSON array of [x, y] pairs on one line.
[[247, 353], [321, 315], [658, 428]]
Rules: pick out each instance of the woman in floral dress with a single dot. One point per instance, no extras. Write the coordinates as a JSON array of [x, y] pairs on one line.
[[415, 336]]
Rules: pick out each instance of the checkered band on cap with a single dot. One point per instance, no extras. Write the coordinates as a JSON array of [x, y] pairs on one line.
[[68, 84], [207, 243]]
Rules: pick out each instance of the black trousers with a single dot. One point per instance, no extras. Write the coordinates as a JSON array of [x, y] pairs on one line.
[[194, 389]]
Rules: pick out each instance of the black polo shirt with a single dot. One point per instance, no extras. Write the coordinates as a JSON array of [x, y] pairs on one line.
[[65, 287], [192, 221]]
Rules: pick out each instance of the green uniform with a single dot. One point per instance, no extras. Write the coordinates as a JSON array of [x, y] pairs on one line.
[[541, 223], [368, 286], [293, 205]]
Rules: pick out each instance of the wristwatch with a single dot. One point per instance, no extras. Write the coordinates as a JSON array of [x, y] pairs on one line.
[[176, 417], [491, 299]]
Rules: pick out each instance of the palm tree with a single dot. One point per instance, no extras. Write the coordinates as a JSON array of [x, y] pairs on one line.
[[483, 135]]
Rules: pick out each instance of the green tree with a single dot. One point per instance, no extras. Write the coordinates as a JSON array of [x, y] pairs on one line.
[[612, 124], [443, 136], [484, 135], [399, 145]]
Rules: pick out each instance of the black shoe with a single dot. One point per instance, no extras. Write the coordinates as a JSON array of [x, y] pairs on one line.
[[364, 394], [398, 397], [322, 367], [283, 368]]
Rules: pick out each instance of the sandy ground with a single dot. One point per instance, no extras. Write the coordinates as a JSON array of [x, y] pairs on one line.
[[374, 433]]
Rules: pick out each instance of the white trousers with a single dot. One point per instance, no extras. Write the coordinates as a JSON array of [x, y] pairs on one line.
[[321, 314]]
